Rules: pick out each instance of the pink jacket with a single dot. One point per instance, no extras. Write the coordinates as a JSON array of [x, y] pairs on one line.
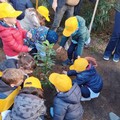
[[12, 39]]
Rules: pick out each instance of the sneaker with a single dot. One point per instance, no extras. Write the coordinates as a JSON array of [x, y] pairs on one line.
[[67, 62], [85, 99], [113, 116], [107, 56], [116, 58]]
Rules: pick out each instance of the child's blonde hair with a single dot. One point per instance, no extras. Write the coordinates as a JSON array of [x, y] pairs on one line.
[[12, 76]]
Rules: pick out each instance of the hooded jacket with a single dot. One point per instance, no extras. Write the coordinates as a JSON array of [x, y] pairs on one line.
[[27, 107], [5, 89], [12, 39], [80, 37], [89, 78], [67, 105]]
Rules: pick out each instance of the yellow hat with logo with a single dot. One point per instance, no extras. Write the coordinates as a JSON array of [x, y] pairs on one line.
[[32, 82], [71, 25], [79, 65], [6, 10], [1, 73], [42, 10], [61, 81]]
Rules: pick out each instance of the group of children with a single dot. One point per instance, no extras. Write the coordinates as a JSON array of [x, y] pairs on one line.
[[16, 69]]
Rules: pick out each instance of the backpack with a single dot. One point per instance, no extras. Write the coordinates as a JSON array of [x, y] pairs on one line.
[[72, 2]]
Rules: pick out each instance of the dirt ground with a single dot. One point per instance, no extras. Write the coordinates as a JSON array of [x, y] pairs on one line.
[[99, 108]]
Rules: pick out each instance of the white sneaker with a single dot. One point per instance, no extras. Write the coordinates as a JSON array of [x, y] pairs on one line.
[[113, 116], [85, 99]]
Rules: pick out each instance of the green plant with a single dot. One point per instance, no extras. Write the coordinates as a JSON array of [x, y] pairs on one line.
[[45, 59], [102, 15]]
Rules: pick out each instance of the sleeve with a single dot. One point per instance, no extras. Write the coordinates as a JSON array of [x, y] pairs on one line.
[[80, 80], [63, 41], [29, 4], [71, 73], [59, 111], [11, 42]]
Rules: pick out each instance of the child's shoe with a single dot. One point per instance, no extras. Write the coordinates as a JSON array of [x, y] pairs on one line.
[[85, 99], [105, 57], [116, 58], [67, 62], [113, 116]]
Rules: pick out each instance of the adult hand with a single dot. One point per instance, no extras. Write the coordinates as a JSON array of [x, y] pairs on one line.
[[54, 5], [59, 49]]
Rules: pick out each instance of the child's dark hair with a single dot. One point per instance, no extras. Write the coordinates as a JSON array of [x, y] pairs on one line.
[[34, 91], [26, 61]]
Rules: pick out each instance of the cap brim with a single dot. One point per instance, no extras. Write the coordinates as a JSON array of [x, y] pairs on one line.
[[47, 18], [52, 78], [72, 67], [15, 14], [1, 74], [67, 33]]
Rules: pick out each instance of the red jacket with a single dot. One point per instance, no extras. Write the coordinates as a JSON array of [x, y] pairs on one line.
[[12, 39]]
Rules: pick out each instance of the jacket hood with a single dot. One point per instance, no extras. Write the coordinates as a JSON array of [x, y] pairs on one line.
[[72, 96], [90, 72], [28, 107], [5, 88]]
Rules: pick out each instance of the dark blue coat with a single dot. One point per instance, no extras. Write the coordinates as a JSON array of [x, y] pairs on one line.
[[89, 78], [67, 105], [21, 5]]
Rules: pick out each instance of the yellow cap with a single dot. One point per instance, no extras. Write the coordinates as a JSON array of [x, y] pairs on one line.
[[1, 73], [61, 81], [71, 25], [42, 10], [6, 10], [79, 65], [32, 82]]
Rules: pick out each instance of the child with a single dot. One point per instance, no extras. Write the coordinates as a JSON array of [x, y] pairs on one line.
[[25, 62], [67, 104], [11, 33], [29, 103], [21, 5], [76, 28], [10, 80], [35, 19], [87, 78]]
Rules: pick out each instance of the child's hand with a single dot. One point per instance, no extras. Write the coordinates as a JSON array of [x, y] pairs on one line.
[[64, 72], [29, 49], [59, 49], [92, 60], [29, 35]]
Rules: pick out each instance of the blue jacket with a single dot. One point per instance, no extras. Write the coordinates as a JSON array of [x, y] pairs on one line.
[[21, 5], [89, 78], [67, 105], [79, 37]]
